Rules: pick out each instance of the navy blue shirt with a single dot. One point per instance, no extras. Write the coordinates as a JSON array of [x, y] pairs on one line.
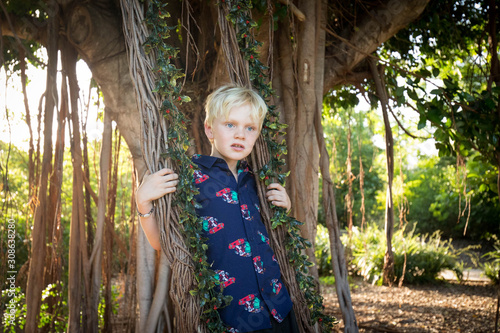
[[238, 246]]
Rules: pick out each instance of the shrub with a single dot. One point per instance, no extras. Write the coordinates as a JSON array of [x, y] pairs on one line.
[[426, 256], [322, 251], [491, 267], [56, 321]]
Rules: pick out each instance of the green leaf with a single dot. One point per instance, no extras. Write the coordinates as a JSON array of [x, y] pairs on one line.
[[422, 122], [412, 94], [437, 91]]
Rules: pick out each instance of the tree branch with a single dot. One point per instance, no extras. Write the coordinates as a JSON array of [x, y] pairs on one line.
[[378, 27]]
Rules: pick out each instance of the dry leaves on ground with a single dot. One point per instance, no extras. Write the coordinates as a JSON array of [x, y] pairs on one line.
[[442, 307]]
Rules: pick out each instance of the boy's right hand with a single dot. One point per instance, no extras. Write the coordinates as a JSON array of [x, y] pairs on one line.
[[155, 186]]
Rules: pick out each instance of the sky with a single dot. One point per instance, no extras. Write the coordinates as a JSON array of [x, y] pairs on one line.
[[13, 126]]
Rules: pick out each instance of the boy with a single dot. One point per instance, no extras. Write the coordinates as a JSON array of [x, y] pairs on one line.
[[238, 243]]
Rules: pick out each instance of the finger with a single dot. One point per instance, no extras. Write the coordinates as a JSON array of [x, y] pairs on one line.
[[272, 192], [170, 189], [276, 198], [170, 177], [164, 171], [275, 186], [172, 183]]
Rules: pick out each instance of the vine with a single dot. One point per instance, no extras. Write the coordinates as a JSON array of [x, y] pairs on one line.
[[169, 90], [272, 129]]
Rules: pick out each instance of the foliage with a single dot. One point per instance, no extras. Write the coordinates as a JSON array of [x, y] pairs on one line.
[[13, 309], [426, 256], [169, 90], [338, 113], [322, 251], [444, 198], [52, 316], [445, 61], [15, 210], [491, 267], [327, 280], [272, 130], [102, 303], [34, 17]]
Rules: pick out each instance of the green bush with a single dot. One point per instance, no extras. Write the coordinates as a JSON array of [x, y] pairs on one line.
[[13, 309], [322, 251], [48, 319], [426, 256], [491, 267]]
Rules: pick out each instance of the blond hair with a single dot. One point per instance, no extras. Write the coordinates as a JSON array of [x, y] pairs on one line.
[[220, 102]]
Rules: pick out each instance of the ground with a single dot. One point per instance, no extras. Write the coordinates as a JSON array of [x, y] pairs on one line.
[[447, 306]]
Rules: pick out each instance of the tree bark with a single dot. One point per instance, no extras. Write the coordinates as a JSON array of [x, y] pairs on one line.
[[388, 271], [361, 172], [80, 267], [336, 247], [53, 265], [160, 298], [304, 166], [349, 175], [96, 256], [53, 273], [372, 31], [36, 272], [109, 234], [31, 149], [86, 170]]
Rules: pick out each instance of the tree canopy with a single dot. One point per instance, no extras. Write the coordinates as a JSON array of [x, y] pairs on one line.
[[436, 59]]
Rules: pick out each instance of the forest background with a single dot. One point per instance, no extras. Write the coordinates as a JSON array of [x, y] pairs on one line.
[[441, 73]]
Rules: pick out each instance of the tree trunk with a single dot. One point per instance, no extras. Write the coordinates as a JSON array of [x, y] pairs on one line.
[[146, 256], [304, 164], [53, 266], [79, 266], [86, 170], [130, 286], [37, 260], [31, 149], [336, 248], [361, 172], [53, 270], [388, 271], [349, 175], [109, 239], [96, 256]]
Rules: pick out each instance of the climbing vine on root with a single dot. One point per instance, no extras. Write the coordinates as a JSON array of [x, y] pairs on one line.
[[272, 130], [169, 89]]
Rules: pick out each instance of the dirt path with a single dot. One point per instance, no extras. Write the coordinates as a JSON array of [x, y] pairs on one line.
[[443, 307]]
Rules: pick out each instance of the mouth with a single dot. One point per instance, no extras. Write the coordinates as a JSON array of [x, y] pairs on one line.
[[237, 146]]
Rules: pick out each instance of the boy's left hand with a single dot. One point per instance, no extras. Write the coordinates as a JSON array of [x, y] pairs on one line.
[[277, 195]]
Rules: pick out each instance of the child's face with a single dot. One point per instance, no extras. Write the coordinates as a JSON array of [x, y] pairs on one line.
[[233, 138]]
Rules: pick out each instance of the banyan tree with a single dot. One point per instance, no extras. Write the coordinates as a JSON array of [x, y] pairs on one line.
[[155, 62]]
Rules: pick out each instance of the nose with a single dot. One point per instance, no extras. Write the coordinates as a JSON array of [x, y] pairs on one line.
[[239, 133]]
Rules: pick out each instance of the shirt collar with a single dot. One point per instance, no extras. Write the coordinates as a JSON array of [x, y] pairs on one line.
[[209, 161]]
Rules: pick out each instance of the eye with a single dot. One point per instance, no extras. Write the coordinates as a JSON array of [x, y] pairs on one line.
[[251, 128], [229, 125]]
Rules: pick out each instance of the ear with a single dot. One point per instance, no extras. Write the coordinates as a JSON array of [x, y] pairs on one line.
[[208, 132]]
